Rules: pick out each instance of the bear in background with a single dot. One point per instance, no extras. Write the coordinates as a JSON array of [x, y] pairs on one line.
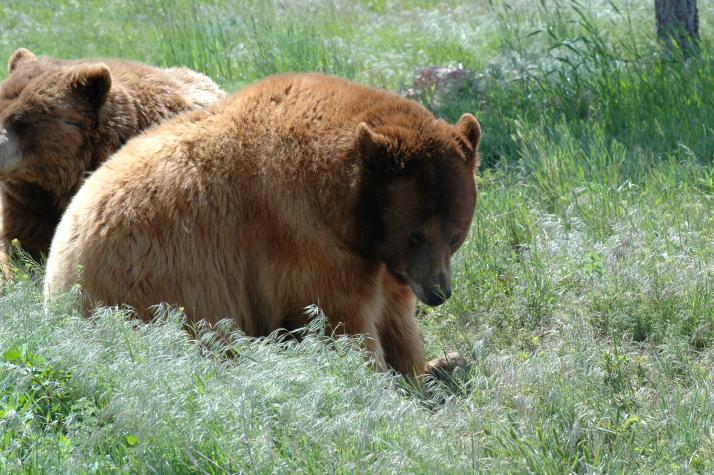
[[300, 189], [59, 120]]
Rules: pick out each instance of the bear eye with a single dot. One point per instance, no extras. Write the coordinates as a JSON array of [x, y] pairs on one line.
[[415, 239], [19, 125], [75, 124], [455, 240]]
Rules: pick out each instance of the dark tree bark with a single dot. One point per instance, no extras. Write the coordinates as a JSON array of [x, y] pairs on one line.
[[678, 22]]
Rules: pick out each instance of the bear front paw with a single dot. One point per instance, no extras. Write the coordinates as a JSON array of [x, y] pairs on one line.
[[445, 365]]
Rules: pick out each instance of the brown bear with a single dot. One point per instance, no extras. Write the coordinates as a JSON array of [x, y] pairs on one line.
[[60, 120], [300, 189]]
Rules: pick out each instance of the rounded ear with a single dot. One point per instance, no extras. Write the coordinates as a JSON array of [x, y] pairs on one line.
[[469, 127], [374, 150], [93, 81], [370, 143], [22, 55]]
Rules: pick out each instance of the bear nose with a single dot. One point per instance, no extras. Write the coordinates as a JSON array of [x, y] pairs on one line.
[[437, 295], [445, 285], [9, 150]]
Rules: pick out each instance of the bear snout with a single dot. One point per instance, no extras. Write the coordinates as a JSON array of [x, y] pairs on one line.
[[434, 297], [9, 150], [438, 293]]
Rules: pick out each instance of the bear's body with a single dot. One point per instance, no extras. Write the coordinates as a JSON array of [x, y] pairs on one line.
[[59, 120], [298, 190]]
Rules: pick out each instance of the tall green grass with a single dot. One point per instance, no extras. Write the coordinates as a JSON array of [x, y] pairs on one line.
[[584, 294], [569, 67]]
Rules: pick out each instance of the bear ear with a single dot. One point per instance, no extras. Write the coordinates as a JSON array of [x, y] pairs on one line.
[[22, 55], [93, 81], [370, 143], [469, 127], [373, 147]]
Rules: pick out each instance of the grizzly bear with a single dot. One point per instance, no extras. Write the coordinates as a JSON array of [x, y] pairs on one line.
[[300, 189], [60, 120]]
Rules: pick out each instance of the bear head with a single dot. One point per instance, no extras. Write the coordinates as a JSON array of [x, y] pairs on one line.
[[48, 112], [424, 190]]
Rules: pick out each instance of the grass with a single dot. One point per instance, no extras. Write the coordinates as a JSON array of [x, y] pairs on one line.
[[584, 293]]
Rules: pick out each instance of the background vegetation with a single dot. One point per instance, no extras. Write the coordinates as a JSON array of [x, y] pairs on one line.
[[584, 294]]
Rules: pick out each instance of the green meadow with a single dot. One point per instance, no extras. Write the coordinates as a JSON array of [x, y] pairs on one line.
[[584, 295]]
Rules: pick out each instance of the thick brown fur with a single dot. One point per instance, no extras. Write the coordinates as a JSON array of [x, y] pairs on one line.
[[298, 190], [59, 120]]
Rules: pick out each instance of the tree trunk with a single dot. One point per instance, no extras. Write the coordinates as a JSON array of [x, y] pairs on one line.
[[678, 23]]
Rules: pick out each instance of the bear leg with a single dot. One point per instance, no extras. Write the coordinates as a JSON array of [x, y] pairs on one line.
[[399, 333], [5, 271], [373, 343], [4, 246]]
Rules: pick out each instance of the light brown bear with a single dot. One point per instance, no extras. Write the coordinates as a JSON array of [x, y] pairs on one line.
[[298, 190], [60, 120]]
